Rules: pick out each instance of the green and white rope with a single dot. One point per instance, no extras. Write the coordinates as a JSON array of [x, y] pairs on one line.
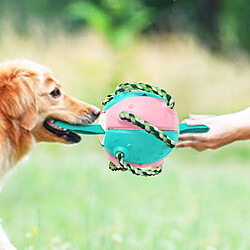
[[149, 128], [149, 171], [128, 87]]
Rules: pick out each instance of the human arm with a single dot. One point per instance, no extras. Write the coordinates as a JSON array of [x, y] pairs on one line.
[[224, 129]]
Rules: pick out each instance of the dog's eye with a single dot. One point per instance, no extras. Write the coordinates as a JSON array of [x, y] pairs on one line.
[[55, 93]]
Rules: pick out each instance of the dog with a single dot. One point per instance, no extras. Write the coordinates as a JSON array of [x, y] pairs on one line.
[[31, 100]]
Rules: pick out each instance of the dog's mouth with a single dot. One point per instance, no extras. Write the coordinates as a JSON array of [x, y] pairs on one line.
[[66, 134]]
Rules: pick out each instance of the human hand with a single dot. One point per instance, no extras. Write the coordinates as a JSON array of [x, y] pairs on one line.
[[224, 129]]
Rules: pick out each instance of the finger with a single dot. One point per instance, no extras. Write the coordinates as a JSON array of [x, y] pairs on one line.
[[195, 145], [200, 137], [195, 122]]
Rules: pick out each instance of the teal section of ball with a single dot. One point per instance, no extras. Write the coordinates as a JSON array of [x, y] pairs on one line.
[[124, 95], [138, 146]]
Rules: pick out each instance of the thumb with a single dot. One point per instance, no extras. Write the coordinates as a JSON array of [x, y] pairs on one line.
[[192, 122]]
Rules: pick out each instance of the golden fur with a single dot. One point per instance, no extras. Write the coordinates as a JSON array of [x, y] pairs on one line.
[[26, 102]]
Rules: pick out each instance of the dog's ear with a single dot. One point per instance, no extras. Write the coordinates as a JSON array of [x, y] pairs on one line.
[[18, 100]]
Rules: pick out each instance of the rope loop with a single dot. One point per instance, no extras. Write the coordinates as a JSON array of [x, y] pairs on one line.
[[128, 87], [125, 166]]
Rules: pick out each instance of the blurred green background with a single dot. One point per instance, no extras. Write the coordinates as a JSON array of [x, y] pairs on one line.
[[66, 197]]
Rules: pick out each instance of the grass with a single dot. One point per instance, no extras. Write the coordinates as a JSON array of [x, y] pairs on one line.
[[67, 198]]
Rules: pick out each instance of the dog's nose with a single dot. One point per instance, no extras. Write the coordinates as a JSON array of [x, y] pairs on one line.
[[95, 111]]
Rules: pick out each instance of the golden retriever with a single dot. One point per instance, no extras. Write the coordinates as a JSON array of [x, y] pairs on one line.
[[31, 99]]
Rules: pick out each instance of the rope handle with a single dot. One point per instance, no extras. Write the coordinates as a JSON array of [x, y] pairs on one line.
[[128, 87], [149, 171]]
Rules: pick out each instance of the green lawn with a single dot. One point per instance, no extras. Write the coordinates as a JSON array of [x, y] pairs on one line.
[[67, 198]]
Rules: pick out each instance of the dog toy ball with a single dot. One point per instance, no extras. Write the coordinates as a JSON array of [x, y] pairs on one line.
[[138, 128]]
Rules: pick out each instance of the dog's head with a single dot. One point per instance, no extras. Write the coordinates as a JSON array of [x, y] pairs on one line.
[[32, 98]]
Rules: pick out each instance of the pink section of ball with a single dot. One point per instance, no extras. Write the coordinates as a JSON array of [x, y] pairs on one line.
[[153, 110], [114, 161]]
